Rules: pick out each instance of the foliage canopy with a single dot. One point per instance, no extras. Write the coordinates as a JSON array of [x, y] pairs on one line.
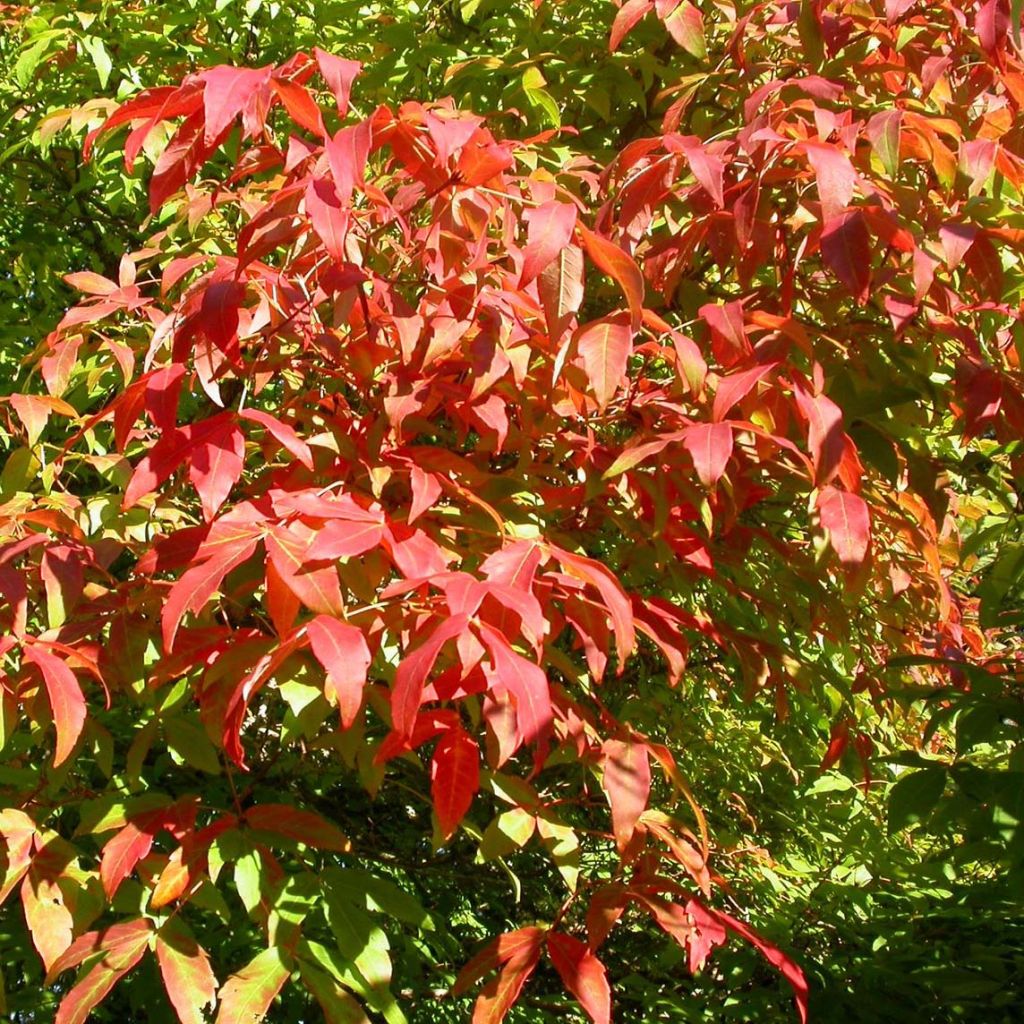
[[522, 515]]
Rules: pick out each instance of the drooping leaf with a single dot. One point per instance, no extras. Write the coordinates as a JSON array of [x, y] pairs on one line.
[[185, 968], [341, 649], [582, 974], [846, 517], [454, 778], [620, 266], [67, 702], [246, 997]]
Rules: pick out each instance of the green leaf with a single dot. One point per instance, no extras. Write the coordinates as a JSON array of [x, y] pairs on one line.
[[379, 894], [100, 58], [33, 56], [339, 1006], [914, 796], [359, 938], [563, 847], [187, 738]]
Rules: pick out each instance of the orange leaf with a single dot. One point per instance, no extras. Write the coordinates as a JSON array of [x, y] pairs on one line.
[[619, 266], [582, 974]]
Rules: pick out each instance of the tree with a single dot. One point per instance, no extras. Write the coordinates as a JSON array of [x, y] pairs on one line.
[[414, 460]]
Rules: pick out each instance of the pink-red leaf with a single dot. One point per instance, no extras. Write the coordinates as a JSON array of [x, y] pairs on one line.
[[836, 177], [846, 518], [198, 585], [341, 649], [412, 672], [550, 228], [526, 682], [710, 447], [846, 248], [789, 970], [825, 437], [604, 346], [227, 93], [627, 782], [629, 15], [339, 74], [346, 154], [614, 597], [282, 433]]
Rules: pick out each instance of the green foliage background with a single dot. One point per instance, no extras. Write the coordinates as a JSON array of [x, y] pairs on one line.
[[901, 897]]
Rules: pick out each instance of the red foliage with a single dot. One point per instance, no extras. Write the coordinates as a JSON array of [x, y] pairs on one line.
[[393, 423]]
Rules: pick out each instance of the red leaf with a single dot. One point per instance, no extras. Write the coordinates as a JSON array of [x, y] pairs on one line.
[[956, 239], [217, 318], [736, 387], [301, 106], [582, 974], [550, 229], [346, 154], [341, 649], [288, 547], [629, 15], [76, 1006], [839, 738], [417, 555], [90, 283], [118, 942], [605, 346], [728, 335], [619, 266], [883, 131], [227, 93], [412, 672], [560, 287], [836, 177], [172, 450], [339, 538], [710, 447], [186, 972], [825, 437], [454, 778], [848, 522], [614, 597], [216, 466], [250, 684], [302, 826], [706, 168], [528, 685], [121, 854], [685, 24], [627, 781], [426, 489], [198, 584], [328, 216], [789, 970], [339, 74], [146, 104], [282, 433], [67, 703], [518, 953], [846, 248]]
